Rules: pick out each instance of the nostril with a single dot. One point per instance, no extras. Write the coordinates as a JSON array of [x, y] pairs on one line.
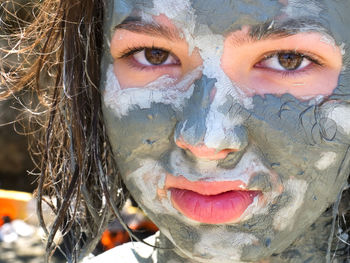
[[188, 154], [202, 151], [231, 160]]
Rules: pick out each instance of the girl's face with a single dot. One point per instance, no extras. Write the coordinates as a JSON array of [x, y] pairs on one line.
[[228, 119]]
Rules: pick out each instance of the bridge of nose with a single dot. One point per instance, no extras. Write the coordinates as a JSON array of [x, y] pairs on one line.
[[192, 127], [207, 132]]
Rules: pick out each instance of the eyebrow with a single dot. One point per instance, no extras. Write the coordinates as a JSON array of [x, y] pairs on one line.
[[136, 25], [267, 30], [272, 29]]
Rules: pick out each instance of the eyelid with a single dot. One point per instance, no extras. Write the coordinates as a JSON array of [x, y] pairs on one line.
[[132, 50], [305, 54]]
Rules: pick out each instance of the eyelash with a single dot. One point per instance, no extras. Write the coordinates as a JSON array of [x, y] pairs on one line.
[[313, 59], [135, 49], [310, 57], [305, 55], [132, 50]]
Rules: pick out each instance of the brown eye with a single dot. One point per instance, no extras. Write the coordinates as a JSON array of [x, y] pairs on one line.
[[284, 61], [156, 56], [290, 61]]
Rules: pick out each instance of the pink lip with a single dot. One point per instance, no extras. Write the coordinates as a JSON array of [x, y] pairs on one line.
[[210, 202], [203, 187]]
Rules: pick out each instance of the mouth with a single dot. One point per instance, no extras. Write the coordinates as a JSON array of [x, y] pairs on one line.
[[210, 202], [221, 208]]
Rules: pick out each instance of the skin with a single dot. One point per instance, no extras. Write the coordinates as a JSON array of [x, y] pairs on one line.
[[232, 116]]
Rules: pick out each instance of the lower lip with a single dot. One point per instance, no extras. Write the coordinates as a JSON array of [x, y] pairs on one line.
[[212, 209]]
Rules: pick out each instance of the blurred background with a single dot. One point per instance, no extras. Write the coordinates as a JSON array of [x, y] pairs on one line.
[[14, 158], [20, 238]]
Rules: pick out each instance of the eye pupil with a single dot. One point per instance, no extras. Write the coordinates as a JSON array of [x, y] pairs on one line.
[[290, 61], [156, 56]]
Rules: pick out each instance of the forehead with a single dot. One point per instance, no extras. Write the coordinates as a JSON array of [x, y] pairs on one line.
[[222, 16]]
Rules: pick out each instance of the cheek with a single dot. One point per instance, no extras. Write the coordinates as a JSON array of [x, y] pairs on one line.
[[307, 86], [145, 184], [254, 81], [326, 160], [340, 114], [284, 218], [334, 118], [164, 90], [128, 78]]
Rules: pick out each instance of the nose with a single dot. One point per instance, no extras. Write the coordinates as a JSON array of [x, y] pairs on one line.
[[210, 126], [202, 151]]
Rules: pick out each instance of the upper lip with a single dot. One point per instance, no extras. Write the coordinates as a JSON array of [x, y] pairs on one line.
[[249, 174], [204, 187]]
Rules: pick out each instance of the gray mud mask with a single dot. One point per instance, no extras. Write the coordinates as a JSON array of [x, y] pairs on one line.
[[296, 151]]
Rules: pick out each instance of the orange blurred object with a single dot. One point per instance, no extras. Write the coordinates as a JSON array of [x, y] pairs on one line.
[[111, 239], [136, 220], [13, 205], [145, 225]]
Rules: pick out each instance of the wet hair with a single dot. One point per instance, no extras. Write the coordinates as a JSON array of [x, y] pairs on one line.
[[60, 49], [59, 45]]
